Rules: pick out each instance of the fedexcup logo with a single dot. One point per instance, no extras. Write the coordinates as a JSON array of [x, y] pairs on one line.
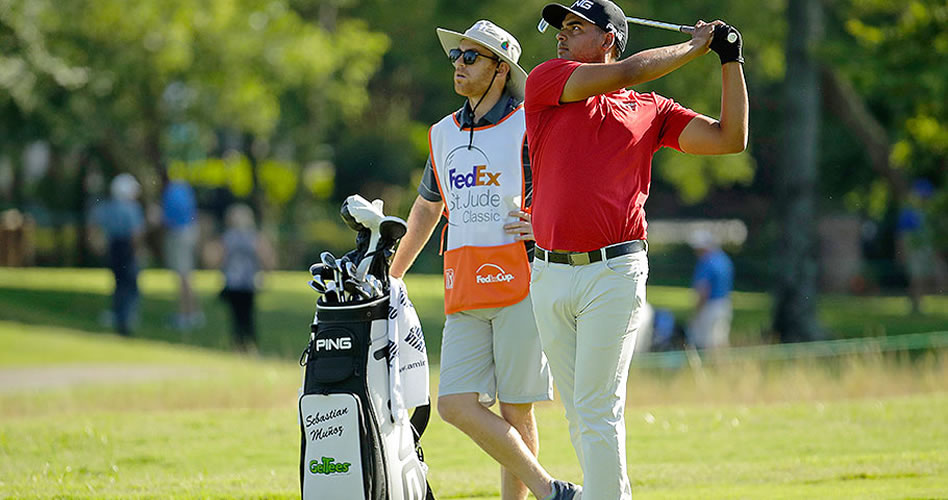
[[492, 273], [327, 466]]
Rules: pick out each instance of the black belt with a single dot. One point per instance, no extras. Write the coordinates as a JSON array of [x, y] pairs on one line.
[[583, 258]]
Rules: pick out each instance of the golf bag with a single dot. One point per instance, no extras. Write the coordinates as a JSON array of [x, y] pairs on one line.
[[354, 447]]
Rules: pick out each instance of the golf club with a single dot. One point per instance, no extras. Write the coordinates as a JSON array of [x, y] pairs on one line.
[[329, 260], [318, 284], [683, 28], [357, 290], [340, 280], [321, 270]]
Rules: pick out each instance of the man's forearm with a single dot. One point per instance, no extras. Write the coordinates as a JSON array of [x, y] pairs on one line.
[[422, 221], [600, 78], [734, 106], [651, 64]]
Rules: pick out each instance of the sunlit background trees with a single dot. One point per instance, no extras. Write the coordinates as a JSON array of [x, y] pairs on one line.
[[291, 105]]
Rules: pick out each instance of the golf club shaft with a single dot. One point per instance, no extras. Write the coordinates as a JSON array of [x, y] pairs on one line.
[[683, 28]]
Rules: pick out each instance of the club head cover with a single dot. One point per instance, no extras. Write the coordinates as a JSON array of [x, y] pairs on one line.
[[348, 218], [365, 213], [392, 228]]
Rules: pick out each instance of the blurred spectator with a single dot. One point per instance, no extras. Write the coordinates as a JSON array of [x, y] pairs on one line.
[[179, 217], [243, 254], [16, 238], [914, 242], [713, 281], [121, 219]]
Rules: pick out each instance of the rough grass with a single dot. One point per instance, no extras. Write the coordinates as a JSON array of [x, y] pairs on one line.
[[205, 423], [225, 427]]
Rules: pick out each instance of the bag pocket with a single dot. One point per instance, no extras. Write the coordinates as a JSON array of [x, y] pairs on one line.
[[332, 461]]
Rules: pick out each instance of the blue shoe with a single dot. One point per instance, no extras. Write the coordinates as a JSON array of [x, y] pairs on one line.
[[565, 491]]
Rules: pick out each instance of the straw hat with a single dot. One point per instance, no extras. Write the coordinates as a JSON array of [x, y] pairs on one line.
[[498, 41]]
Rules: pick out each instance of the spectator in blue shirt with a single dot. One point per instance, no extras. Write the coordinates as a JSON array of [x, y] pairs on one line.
[[120, 218], [915, 243], [179, 217], [713, 281]]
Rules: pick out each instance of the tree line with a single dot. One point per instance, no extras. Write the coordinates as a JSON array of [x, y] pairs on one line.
[[294, 104]]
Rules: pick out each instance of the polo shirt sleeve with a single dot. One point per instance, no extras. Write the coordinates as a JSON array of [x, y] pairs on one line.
[[428, 189], [674, 118], [546, 82]]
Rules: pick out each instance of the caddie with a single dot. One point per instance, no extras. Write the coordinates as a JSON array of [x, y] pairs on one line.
[[478, 176]]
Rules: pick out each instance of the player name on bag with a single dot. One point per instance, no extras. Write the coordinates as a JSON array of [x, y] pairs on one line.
[[326, 432], [319, 418]]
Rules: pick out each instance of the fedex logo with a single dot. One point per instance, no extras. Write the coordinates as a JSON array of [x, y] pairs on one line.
[[479, 176]]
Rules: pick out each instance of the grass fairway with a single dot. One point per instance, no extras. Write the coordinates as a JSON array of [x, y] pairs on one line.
[[215, 425], [85, 414]]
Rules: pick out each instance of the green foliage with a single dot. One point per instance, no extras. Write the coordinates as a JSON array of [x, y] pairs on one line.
[[896, 55]]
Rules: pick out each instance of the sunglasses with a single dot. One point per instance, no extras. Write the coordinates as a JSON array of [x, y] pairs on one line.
[[469, 56]]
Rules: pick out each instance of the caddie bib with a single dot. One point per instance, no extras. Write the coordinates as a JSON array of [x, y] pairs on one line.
[[480, 183]]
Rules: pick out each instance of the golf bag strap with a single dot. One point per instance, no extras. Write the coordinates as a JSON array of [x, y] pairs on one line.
[[419, 420]]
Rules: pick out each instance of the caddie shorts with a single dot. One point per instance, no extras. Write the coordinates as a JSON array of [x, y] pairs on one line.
[[495, 353]]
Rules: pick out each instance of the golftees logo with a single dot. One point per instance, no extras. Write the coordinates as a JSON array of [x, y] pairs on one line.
[[449, 278], [328, 466], [491, 273]]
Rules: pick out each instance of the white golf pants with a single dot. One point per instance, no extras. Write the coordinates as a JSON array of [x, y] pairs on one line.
[[587, 319], [711, 326]]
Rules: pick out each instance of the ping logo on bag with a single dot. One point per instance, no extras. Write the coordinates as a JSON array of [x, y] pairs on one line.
[[327, 467], [336, 344]]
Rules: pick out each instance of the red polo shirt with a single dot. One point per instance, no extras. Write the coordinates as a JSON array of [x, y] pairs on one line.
[[592, 159]]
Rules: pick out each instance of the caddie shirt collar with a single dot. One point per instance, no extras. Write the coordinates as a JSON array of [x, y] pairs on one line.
[[504, 106]]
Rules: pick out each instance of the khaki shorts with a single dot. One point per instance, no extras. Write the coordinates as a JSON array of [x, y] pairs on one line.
[[180, 244], [495, 353]]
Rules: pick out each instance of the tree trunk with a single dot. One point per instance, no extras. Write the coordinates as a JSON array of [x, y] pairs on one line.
[[796, 258]]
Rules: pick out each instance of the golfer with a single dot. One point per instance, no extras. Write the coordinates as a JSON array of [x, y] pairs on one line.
[[591, 147], [478, 175]]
